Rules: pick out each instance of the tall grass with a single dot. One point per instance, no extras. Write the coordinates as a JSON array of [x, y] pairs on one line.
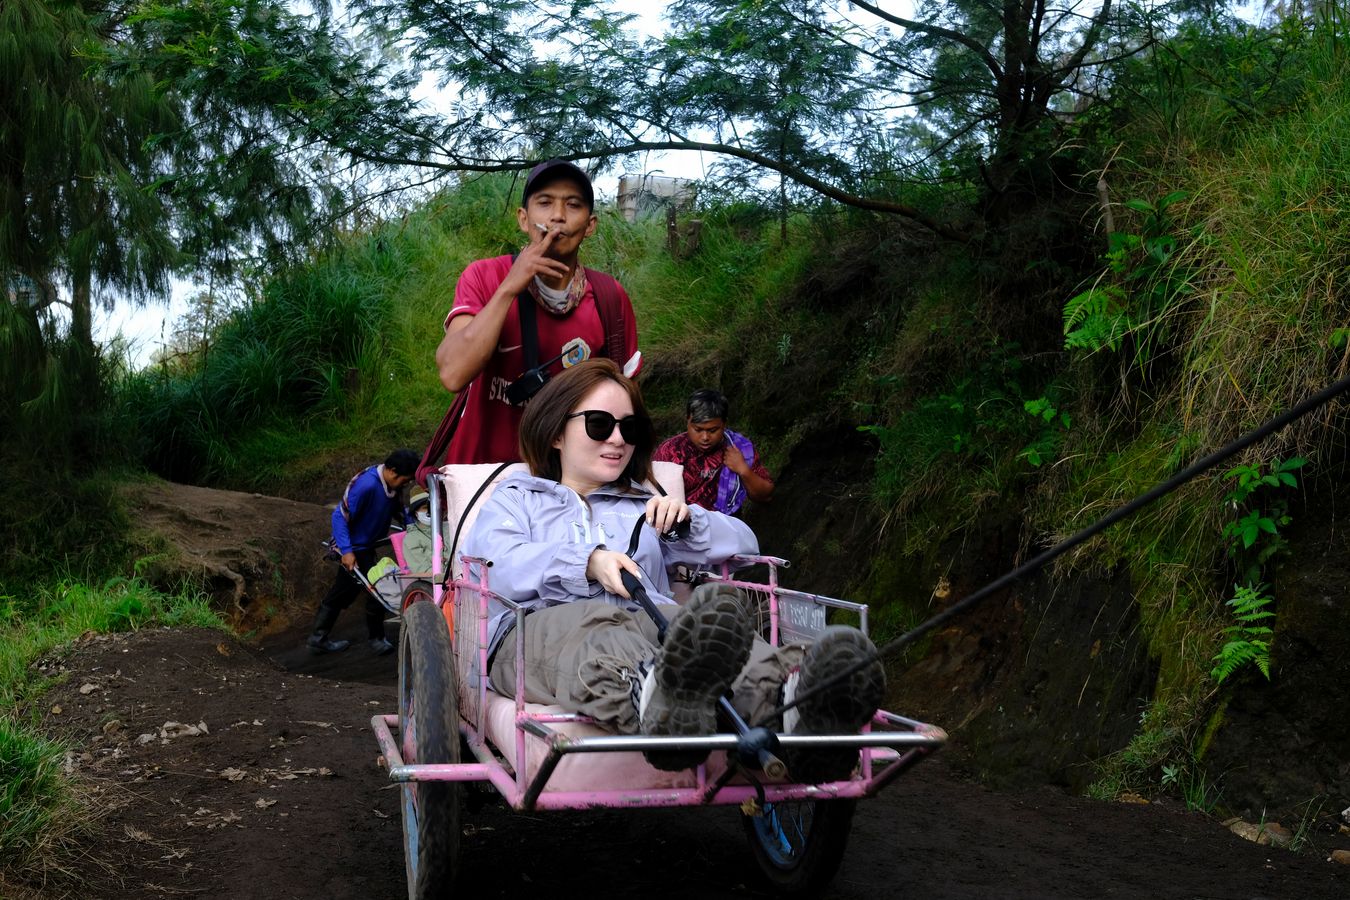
[[336, 355], [1265, 245], [40, 810], [288, 356], [1269, 238], [336, 351]]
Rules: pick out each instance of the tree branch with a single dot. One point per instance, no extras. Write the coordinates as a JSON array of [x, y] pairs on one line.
[[469, 164], [937, 31]]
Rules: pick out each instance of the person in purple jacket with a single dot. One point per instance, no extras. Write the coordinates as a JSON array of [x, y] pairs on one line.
[[721, 468], [360, 522], [556, 539]]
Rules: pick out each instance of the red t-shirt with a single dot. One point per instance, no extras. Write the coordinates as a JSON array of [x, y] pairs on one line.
[[487, 431]]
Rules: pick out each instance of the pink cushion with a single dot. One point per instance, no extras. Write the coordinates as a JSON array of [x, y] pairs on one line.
[[582, 771], [462, 481]]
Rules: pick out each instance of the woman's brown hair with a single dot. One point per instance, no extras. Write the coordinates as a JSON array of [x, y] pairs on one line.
[[546, 417]]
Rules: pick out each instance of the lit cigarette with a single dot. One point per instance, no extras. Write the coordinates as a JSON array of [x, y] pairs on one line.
[[544, 229]]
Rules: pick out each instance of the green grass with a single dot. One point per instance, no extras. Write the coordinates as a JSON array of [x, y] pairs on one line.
[[41, 816], [1265, 237], [1158, 758], [49, 616], [40, 810]]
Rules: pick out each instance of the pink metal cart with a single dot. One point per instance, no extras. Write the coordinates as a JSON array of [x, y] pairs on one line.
[[450, 729]]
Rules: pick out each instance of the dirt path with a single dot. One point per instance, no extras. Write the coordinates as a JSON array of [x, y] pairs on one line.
[[281, 797]]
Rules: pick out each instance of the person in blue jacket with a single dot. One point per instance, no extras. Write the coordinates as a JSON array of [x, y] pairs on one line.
[[360, 522]]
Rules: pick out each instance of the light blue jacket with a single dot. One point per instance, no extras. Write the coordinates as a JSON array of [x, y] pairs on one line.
[[539, 536]]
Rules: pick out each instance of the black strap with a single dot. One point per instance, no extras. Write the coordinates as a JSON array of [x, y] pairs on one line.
[[613, 322], [608, 305]]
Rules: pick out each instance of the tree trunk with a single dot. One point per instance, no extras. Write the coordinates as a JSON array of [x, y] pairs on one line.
[[81, 312]]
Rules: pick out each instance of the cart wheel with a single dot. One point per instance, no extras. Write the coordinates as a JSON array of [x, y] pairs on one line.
[[799, 844], [428, 720], [416, 592]]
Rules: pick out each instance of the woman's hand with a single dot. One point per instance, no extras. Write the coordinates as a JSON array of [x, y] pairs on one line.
[[664, 512], [605, 567]]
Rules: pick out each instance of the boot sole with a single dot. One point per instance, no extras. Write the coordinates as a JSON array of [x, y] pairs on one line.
[[843, 708], [706, 647]]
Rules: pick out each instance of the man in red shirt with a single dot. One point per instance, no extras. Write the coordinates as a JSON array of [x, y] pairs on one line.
[[721, 468], [577, 313]]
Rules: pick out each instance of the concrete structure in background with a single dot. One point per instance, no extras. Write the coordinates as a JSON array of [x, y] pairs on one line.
[[646, 196], [29, 293]]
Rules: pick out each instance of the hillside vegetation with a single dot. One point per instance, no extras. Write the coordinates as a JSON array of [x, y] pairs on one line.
[[1068, 359], [1178, 281]]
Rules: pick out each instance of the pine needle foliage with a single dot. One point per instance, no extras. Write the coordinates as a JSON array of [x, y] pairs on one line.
[[77, 149]]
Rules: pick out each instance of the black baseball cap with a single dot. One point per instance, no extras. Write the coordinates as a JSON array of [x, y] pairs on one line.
[[546, 171]]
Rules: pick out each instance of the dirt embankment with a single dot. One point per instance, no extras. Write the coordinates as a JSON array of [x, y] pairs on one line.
[[260, 557], [1049, 676]]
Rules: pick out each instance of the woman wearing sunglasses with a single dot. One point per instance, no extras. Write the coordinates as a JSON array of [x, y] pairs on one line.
[[555, 537]]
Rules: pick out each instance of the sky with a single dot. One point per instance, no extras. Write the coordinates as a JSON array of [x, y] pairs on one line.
[[146, 329]]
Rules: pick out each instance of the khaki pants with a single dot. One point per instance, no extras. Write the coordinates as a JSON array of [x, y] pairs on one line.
[[583, 657]]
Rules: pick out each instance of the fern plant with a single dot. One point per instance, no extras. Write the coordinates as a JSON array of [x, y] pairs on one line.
[[1254, 539], [1097, 319], [1141, 281], [1248, 638]]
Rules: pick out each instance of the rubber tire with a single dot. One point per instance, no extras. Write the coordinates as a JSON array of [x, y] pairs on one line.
[[418, 592], [805, 869], [428, 721]]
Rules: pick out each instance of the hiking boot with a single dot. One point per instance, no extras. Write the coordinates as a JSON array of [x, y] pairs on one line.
[[380, 646], [706, 647], [840, 708], [322, 643]]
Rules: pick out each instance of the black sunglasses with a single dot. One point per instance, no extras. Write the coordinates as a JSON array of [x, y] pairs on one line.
[[600, 425]]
